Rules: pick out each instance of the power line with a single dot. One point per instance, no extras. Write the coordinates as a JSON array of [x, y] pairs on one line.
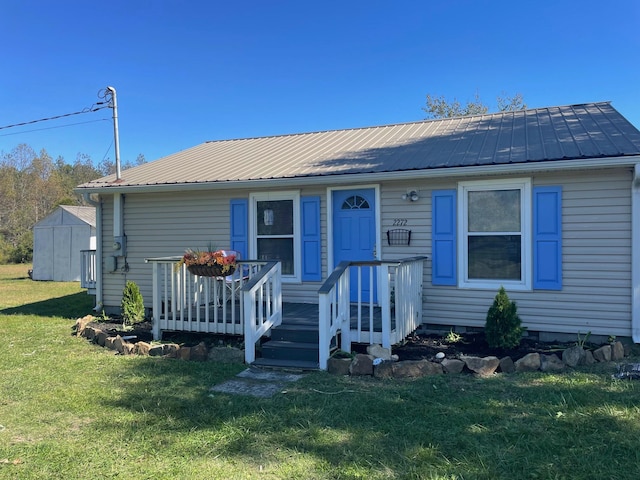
[[51, 128], [86, 110], [107, 152]]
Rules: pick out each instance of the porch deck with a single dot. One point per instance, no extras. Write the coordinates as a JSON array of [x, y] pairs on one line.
[[309, 314], [292, 314], [252, 305]]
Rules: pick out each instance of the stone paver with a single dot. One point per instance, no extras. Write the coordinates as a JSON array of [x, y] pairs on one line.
[[257, 383]]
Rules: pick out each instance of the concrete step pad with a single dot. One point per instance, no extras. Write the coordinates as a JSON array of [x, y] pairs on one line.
[[257, 382]]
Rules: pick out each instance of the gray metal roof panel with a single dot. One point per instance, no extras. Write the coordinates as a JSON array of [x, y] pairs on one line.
[[592, 130], [85, 214]]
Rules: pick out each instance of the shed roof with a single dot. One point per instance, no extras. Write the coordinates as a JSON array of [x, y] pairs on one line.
[[86, 214], [593, 130], [68, 215]]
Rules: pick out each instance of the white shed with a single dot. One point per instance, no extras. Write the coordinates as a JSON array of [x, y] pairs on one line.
[[58, 240]]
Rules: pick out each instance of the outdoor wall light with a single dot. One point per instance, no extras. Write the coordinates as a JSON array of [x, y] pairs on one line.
[[412, 196]]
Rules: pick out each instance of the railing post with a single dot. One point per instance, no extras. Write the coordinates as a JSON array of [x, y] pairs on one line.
[[385, 305], [278, 294], [249, 326], [324, 310], [344, 310], [156, 305]]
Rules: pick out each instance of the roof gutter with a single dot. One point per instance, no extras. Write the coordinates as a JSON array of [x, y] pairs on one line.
[[353, 178]]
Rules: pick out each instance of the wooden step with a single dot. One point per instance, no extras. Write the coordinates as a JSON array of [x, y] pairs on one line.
[[313, 322], [295, 333], [284, 350], [286, 364]]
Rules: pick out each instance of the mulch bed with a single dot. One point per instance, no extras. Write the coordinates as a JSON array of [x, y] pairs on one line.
[[420, 347], [143, 333], [112, 327]]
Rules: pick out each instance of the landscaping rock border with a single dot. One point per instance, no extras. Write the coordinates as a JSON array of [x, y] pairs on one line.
[[377, 362], [123, 345], [387, 366]]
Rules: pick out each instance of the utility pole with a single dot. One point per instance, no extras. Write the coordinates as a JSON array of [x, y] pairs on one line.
[[113, 103]]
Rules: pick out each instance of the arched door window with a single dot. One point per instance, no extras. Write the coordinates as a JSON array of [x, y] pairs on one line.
[[355, 202]]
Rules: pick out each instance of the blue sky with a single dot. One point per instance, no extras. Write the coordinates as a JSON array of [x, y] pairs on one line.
[[188, 72]]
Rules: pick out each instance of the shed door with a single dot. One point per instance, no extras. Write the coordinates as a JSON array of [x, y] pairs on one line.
[[62, 244], [43, 253]]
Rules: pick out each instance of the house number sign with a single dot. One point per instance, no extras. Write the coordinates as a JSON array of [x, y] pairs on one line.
[[399, 222]]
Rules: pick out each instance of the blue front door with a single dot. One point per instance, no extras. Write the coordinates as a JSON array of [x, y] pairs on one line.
[[354, 235]]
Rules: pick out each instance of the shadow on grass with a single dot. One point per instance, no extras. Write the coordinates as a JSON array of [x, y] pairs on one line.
[[69, 306], [508, 427]]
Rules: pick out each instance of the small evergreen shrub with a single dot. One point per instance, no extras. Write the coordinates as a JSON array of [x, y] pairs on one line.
[[502, 328], [132, 304]]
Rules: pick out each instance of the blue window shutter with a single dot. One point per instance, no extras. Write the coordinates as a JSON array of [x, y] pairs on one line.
[[240, 226], [443, 238], [547, 238], [311, 262]]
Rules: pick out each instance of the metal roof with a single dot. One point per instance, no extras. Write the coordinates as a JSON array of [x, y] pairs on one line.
[[65, 214], [593, 130], [86, 214]]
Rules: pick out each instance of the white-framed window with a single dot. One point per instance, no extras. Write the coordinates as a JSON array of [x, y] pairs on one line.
[[274, 220], [495, 234]]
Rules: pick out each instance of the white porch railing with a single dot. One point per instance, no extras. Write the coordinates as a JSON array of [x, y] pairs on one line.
[[399, 301], [262, 306], [250, 303], [191, 303], [88, 272]]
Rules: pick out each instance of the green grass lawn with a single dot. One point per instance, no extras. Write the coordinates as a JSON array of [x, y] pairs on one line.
[[72, 410]]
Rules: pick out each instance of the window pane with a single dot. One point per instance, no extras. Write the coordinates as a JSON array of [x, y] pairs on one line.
[[275, 217], [277, 249], [495, 257], [494, 211], [356, 202]]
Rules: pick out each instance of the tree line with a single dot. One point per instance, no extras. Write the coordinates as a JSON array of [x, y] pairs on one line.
[[437, 106], [32, 185]]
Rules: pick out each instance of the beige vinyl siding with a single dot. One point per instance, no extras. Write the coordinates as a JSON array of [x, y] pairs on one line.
[[112, 283], [159, 225], [596, 293], [416, 214]]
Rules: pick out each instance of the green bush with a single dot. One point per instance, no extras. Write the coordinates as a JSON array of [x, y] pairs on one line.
[[21, 252], [502, 328], [132, 304]]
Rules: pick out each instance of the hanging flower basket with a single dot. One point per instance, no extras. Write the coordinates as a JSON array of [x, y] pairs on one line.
[[219, 263], [211, 270]]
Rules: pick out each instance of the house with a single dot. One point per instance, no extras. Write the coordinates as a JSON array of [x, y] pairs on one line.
[[58, 240], [544, 202]]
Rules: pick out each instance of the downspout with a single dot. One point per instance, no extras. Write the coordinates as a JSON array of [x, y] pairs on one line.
[[98, 205], [118, 217], [635, 255]]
